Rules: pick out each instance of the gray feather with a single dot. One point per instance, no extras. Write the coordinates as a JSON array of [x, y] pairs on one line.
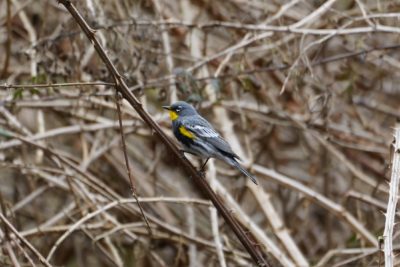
[[233, 162], [204, 130]]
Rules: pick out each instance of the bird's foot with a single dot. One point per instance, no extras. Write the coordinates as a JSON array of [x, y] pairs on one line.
[[202, 170], [182, 153], [202, 173], [204, 165]]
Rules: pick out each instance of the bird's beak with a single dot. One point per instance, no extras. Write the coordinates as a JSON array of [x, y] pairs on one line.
[[166, 107]]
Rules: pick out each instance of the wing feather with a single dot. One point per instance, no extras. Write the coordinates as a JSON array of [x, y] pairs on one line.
[[202, 129]]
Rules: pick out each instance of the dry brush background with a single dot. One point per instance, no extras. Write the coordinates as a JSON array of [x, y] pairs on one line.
[[306, 92]]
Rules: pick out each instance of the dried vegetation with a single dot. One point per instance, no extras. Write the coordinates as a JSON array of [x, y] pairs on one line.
[[306, 92]]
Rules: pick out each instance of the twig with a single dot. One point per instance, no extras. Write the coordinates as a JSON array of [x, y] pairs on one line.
[[24, 241], [364, 251], [217, 240], [314, 15], [193, 258], [29, 198], [168, 54], [272, 28], [64, 130], [4, 71], [369, 200], [26, 255], [284, 8], [11, 253], [364, 13], [392, 200], [127, 165], [14, 121], [52, 85], [33, 71]]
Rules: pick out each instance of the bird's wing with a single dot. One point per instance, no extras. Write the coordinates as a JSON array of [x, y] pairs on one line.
[[202, 129]]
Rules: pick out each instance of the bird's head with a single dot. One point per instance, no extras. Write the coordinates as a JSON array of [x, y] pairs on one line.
[[180, 109]]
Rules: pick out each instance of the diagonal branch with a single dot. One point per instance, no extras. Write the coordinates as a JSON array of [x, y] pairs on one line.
[[122, 88]]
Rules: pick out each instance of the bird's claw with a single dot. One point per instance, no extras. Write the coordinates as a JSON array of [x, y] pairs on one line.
[[181, 153], [202, 173]]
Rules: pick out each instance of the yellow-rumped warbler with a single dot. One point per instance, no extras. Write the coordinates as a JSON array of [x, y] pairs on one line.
[[198, 137]]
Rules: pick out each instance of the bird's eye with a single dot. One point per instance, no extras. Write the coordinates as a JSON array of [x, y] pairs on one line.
[[178, 109]]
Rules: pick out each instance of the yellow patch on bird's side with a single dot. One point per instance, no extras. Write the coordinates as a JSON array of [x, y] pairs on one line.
[[173, 115], [185, 132]]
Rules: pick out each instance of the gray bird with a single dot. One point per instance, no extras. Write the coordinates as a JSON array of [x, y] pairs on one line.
[[199, 138]]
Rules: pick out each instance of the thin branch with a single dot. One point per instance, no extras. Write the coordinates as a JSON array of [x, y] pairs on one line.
[[127, 165], [64, 131], [12, 255], [217, 240], [270, 28], [392, 200], [168, 54], [52, 85], [4, 71]]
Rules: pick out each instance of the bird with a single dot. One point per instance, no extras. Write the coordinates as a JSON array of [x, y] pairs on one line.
[[198, 137]]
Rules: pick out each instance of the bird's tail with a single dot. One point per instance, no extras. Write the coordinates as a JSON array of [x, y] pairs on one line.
[[233, 162]]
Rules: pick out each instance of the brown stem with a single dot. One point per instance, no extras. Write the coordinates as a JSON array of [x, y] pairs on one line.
[[191, 170], [8, 42], [128, 167]]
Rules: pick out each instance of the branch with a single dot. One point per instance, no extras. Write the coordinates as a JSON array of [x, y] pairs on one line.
[[392, 201], [122, 88]]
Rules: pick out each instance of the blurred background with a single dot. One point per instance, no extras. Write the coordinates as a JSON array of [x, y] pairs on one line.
[[306, 92]]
